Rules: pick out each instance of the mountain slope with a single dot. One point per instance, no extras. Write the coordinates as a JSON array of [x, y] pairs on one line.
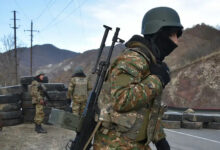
[[42, 55], [196, 42], [196, 85]]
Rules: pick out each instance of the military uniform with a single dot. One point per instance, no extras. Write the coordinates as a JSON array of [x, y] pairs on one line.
[[37, 93], [130, 101], [37, 96], [132, 87], [78, 91]]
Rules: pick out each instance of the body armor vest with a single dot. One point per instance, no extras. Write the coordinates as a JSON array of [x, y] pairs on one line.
[[131, 124], [80, 87]]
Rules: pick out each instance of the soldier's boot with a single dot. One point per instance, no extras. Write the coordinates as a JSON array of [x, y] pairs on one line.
[[39, 129]]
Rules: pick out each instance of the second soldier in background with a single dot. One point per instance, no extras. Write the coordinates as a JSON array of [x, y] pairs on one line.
[[78, 91]]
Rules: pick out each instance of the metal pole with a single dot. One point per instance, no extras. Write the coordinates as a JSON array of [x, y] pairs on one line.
[[15, 47], [31, 47]]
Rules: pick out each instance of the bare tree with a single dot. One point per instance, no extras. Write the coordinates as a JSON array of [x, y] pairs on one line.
[[7, 43], [7, 74]]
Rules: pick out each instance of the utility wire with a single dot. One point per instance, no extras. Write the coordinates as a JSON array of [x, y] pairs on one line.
[[57, 16], [25, 15], [61, 20], [81, 19], [48, 6]]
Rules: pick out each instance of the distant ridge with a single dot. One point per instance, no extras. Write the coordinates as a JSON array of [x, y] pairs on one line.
[[42, 55]]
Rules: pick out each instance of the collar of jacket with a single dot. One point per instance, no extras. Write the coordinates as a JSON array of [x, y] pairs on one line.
[[138, 41]]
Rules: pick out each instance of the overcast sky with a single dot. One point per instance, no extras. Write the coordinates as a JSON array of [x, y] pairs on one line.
[[77, 24]]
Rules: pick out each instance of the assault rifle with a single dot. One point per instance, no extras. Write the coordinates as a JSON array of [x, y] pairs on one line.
[[42, 88], [89, 126]]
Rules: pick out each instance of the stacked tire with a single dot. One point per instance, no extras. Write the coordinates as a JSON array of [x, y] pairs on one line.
[[28, 109], [10, 105], [56, 98]]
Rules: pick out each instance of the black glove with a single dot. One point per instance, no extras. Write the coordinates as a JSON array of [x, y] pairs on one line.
[[162, 145], [68, 101], [162, 71]]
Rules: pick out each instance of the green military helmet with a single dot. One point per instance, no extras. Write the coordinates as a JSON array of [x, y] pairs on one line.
[[78, 72], [78, 69], [159, 17], [40, 73]]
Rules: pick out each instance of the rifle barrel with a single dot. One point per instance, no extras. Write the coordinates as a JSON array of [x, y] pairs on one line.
[[107, 28]]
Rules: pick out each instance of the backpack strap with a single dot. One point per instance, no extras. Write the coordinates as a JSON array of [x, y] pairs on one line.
[[144, 51]]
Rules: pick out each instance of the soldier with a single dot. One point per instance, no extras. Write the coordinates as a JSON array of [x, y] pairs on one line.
[[38, 101], [78, 91], [134, 85]]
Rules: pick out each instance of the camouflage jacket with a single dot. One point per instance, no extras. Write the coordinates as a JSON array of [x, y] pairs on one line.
[[78, 86], [132, 89], [36, 93]]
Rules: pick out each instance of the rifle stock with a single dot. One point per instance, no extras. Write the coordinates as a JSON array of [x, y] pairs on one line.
[[88, 123]]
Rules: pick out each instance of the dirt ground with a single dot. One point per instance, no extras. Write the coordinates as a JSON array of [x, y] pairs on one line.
[[23, 137]]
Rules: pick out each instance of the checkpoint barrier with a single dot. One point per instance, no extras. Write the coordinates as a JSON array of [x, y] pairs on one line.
[[175, 120]]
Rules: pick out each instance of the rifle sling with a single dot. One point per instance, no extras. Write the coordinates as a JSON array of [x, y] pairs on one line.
[[92, 135]]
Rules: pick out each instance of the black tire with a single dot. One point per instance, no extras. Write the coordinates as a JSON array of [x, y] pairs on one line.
[[17, 89], [11, 115], [12, 122], [27, 104], [57, 95], [5, 99], [28, 114], [26, 80], [55, 86], [57, 104], [26, 96], [10, 107]]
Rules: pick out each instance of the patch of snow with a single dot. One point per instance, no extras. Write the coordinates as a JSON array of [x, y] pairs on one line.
[[49, 66], [66, 68]]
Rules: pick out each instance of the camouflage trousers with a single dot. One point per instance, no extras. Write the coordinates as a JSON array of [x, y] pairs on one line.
[[111, 141], [39, 114], [78, 105]]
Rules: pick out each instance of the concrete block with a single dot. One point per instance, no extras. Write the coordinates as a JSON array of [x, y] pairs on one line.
[[216, 118], [196, 117], [191, 125], [172, 116], [189, 117], [213, 125], [171, 124]]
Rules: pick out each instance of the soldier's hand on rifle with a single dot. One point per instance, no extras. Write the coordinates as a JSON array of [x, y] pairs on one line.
[[162, 71], [42, 102]]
